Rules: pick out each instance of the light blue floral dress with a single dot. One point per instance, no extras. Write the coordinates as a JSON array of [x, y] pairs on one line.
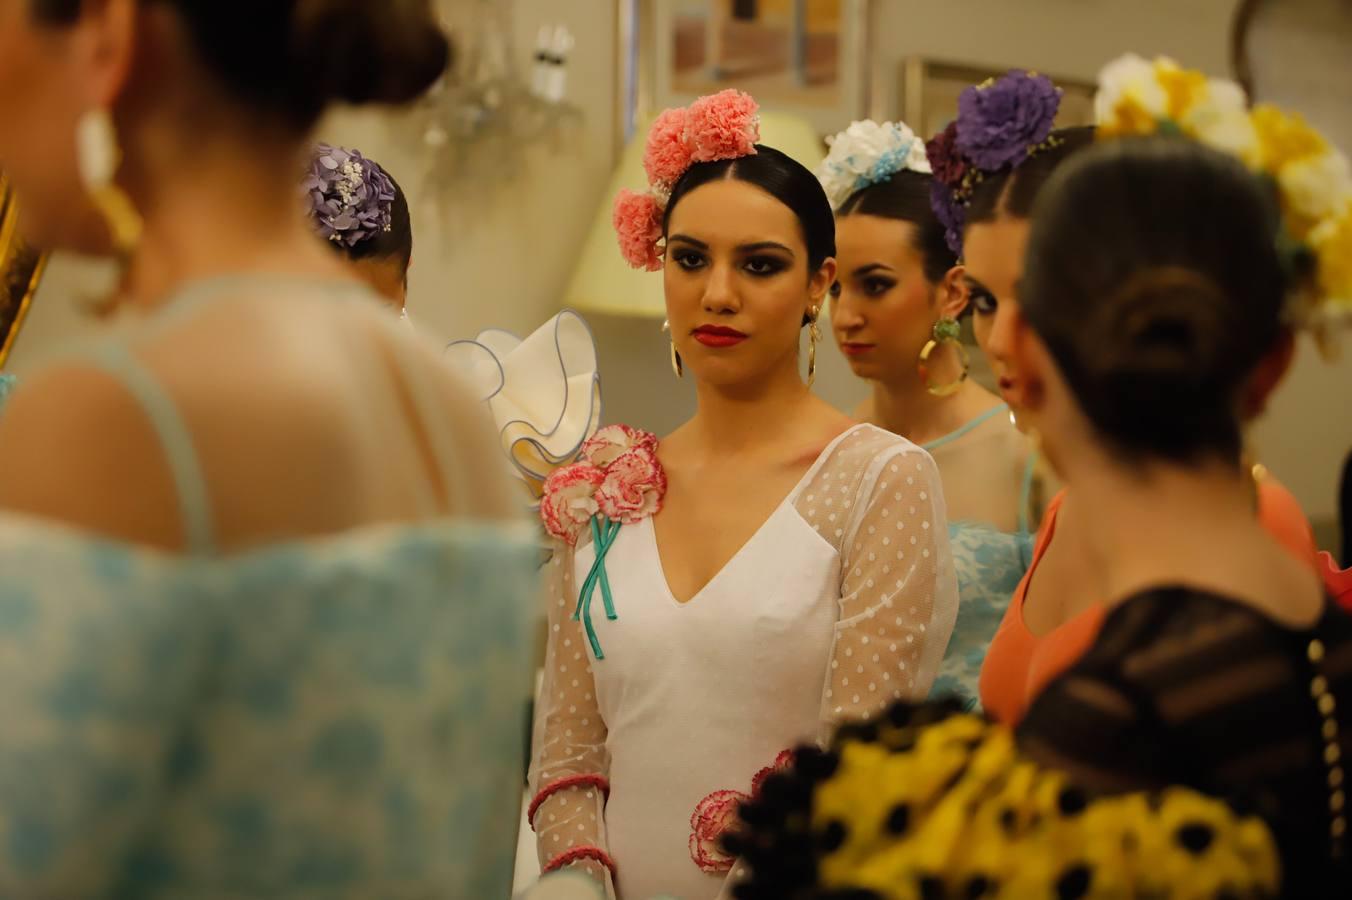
[[990, 560], [341, 718]]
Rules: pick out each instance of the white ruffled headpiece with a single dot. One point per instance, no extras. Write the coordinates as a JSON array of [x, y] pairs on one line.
[[868, 153], [544, 392]]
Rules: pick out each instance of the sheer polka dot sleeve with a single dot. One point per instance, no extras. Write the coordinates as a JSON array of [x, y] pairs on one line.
[[878, 500], [569, 765]]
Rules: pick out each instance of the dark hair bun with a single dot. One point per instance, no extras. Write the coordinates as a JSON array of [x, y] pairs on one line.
[[1165, 357], [363, 51], [1154, 278], [292, 58], [1168, 322]]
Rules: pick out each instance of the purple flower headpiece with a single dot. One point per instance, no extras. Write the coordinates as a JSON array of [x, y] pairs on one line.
[[350, 196], [1000, 124]]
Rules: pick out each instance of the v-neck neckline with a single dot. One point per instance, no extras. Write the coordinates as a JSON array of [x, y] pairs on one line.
[[755, 535]]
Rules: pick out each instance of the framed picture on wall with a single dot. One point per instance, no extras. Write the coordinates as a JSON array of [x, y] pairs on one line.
[[20, 270], [808, 57], [930, 89]]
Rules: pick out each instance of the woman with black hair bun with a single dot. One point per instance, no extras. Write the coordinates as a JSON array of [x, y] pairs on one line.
[[991, 165], [260, 567], [764, 572], [1166, 270], [362, 212], [1198, 748]]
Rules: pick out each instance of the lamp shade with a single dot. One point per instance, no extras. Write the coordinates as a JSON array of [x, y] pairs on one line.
[[603, 282]]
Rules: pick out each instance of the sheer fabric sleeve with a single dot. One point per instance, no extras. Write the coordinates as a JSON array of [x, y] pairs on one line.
[[569, 764], [878, 500]]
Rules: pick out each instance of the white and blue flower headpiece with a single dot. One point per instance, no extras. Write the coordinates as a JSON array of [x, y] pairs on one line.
[[868, 153]]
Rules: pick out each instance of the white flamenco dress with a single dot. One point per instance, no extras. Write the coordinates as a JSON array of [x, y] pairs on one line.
[[841, 603]]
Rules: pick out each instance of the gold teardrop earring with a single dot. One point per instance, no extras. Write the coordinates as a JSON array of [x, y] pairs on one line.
[[1257, 472], [814, 334], [676, 365], [98, 157]]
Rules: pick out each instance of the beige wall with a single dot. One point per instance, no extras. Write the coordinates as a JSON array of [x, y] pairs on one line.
[[505, 263]]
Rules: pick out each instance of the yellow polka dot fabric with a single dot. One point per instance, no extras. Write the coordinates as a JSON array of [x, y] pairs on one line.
[[919, 807]]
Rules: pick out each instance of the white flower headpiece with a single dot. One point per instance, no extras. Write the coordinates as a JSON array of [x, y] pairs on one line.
[[1313, 178], [868, 153]]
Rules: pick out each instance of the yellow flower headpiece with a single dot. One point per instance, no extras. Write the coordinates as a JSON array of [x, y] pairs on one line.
[[1313, 180]]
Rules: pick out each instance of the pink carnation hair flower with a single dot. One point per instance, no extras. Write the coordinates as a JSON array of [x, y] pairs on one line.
[[667, 155], [638, 225], [721, 126]]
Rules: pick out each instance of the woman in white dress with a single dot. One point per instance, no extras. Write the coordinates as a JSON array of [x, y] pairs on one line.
[[768, 570]]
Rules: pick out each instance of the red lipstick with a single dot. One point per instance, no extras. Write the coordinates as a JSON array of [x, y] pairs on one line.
[[718, 336]]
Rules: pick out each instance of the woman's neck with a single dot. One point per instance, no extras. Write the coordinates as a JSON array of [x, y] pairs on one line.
[[751, 417], [1169, 524], [907, 408], [224, 208]]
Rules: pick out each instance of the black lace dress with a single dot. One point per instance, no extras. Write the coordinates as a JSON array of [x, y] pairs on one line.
[[1188, 688]]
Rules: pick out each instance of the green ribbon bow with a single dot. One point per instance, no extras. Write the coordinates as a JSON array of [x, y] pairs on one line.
[[604, 531]]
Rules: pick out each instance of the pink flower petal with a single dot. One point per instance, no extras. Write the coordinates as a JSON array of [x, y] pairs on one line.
[[638, 225], [721, 126], [569, 500], [667, 155]]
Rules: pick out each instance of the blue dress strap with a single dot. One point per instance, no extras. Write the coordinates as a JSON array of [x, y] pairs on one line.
[[967, 428], [116, 361], [7, 383], [430, 417]]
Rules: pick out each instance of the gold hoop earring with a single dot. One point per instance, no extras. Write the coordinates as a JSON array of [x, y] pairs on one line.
[[814, 334], [99, 156], [946, 331], [676, 367]]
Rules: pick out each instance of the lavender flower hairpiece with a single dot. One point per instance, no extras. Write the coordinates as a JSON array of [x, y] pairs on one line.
[[1000, 124], [350, 197]]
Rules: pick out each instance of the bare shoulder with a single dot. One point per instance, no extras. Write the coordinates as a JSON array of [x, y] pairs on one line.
[[77, 448]]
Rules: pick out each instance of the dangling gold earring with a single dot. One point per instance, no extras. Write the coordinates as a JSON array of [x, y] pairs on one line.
[[99, 157], [1258, 473], [946, 331], [814, 334], [676, 366]]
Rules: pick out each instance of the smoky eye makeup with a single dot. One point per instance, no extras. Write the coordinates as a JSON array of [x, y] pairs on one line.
[[982, 300], [877, 285], [765, 265]]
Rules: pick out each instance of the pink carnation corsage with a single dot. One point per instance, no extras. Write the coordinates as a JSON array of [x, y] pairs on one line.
[[716, 815], [618, 481], [720, 126]]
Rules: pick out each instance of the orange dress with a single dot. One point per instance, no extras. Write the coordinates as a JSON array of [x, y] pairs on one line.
[[1019, 664]]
